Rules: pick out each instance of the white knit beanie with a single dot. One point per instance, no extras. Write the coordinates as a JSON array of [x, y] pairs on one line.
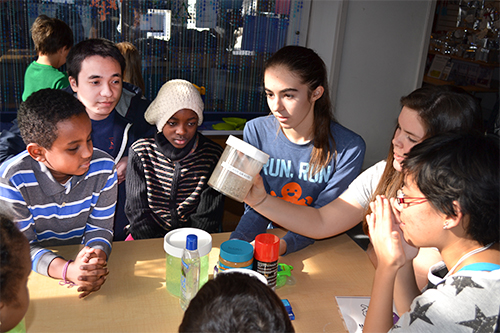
[[173, 96]]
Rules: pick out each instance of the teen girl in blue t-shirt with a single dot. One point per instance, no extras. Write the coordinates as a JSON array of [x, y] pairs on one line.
[[313, 159]]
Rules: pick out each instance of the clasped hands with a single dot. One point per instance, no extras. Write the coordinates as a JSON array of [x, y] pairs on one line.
[[391, 248], [88, 271]]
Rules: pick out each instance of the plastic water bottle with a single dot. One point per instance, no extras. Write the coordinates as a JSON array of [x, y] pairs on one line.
[[190, 271]]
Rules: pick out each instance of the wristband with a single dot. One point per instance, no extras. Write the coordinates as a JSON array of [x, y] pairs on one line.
[[64, 282], [258, 203]]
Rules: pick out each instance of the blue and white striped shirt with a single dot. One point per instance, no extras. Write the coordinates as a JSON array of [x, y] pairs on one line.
[[49, 213]]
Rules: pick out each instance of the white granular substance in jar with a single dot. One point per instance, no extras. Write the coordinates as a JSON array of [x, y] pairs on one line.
[[235, 186], [233, 175]]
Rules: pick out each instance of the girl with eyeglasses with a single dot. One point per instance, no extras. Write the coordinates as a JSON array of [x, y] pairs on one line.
[[450, 201]]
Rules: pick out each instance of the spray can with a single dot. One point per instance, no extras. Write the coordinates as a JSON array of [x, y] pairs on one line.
[[267, 247]]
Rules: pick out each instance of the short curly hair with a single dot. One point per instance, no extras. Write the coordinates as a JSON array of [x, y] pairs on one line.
[[464, 168], [50, 35], [39, 115], [12, 245]]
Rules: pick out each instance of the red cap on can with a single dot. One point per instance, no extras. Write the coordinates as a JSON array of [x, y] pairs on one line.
[[267, 247]]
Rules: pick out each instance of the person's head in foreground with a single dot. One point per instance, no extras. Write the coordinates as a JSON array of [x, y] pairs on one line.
[[177, 111], [15, 267], [236, 302], [456, 177], [56, 130]]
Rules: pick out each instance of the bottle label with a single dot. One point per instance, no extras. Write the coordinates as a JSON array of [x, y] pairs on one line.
[[184, 268], [183, 283], [223, 267], [190, 277], [269, 270], [236, 171]]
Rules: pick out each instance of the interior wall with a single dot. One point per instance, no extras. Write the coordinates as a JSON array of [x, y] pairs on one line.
[[326, 35], [381, 58]]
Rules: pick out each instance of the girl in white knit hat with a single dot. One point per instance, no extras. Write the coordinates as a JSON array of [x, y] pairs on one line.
[[167, 175]]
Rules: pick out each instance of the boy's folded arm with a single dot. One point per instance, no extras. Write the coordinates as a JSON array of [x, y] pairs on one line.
[[88, 277], [99, 229], [41, 258]]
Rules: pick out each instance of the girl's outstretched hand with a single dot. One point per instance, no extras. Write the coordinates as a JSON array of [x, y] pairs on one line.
[[385, 235], [257, 192]]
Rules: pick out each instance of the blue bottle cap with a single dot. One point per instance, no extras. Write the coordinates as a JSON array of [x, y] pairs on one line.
[[191, 242], [236, 250]]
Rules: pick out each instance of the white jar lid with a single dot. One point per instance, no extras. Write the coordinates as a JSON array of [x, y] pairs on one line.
[[247, 149], [250, 272], [175, 241]]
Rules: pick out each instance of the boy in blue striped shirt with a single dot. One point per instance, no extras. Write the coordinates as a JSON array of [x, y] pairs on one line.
[[61, 190]]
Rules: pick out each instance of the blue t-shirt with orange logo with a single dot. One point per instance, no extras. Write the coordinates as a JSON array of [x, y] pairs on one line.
[[286, 175]]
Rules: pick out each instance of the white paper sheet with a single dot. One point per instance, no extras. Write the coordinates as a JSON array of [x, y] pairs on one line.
[[353, 310]]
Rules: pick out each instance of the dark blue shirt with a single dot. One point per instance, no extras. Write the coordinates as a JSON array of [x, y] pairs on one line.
[[103, 134]]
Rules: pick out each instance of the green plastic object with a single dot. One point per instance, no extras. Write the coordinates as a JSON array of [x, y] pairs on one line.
[[223, 127], [238, 123], [230, 124], [284, 275]]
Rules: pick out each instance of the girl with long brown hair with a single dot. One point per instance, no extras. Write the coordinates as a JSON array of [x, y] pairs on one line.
[[312, 157]]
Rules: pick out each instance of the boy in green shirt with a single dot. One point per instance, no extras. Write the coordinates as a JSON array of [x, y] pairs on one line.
[[53, 39]]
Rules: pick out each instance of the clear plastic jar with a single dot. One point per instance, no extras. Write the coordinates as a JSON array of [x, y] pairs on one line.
[[174, 243], [239, 163]]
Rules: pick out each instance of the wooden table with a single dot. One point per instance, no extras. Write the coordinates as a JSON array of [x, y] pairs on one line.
[[134, 297]]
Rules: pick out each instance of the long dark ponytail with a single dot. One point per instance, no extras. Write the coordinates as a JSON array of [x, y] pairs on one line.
[[310, 68]]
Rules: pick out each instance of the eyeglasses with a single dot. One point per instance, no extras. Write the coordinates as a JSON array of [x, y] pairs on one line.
[[405, 201]]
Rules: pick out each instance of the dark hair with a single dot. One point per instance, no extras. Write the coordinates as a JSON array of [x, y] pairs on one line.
[[50, 35], [236, 302], [311, 70], [39, 115], [441, 109], [12, 270], [88, 48], [445, 108], [464, 168]]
